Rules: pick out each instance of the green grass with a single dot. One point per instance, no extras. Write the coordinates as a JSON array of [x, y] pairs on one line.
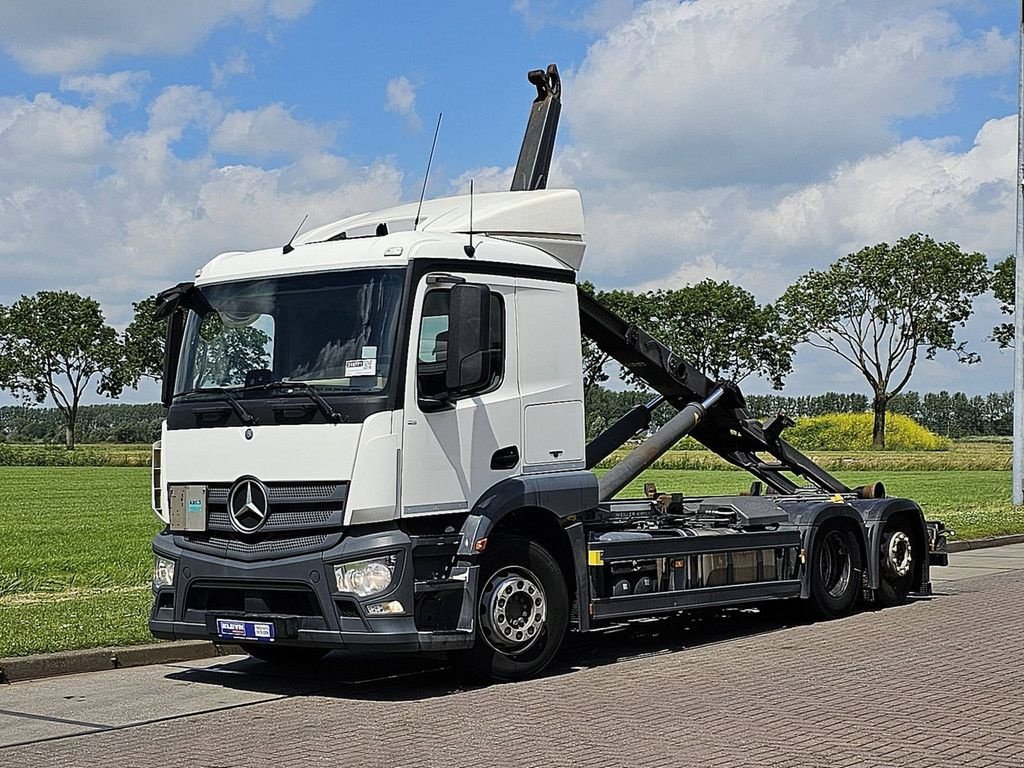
[[74, 621], [75, 558]]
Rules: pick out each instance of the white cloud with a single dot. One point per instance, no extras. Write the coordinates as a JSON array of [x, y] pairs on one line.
[[702, 94], [54, 36], [46, 141], [121, 217], [491, 178], [401, 95], [107, 90], [237, 63], [269, 132]]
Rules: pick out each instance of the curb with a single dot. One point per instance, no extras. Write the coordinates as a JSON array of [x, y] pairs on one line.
[[20, 668], [991, 541]]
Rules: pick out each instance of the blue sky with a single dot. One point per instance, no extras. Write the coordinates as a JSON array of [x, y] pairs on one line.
[[715, 138]]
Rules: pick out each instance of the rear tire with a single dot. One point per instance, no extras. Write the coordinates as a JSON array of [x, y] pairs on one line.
[[522, 613], [285, 655], [896, 566], [836, 571]]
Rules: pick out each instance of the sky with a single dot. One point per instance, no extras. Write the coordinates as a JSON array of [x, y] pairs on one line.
[[736, 140]]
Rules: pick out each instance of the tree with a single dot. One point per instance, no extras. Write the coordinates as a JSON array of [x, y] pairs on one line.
[[720, 328], [1004, 286], [144, 340], [52, 345], [883, 307]]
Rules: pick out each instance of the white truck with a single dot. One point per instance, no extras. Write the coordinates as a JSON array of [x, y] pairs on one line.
[[375, 441]]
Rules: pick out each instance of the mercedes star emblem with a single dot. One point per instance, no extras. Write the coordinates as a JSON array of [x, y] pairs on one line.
[[248, 505]]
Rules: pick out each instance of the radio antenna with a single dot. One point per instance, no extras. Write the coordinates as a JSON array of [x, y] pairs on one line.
[[469, 249], [430, 159], [288, 247]]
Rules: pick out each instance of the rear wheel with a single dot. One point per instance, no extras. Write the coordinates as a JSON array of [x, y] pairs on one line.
[[835, 573], [285, 655], [522, 612], [896, 569]]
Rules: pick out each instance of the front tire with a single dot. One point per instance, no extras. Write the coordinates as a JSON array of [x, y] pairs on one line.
[[836, 571], [522, 612]]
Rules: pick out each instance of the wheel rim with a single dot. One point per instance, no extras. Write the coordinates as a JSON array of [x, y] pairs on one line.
[[513, 608], [897, 553], [835, 566]]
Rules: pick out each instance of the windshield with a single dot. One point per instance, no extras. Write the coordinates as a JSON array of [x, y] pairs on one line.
[[335, 331]]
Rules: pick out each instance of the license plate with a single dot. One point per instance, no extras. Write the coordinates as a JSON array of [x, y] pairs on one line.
[[233, 629]]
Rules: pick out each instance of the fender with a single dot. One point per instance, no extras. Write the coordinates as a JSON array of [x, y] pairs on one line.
[[564, 495], [811, 517]]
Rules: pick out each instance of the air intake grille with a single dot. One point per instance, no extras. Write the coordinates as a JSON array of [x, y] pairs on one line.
[[278, 545]]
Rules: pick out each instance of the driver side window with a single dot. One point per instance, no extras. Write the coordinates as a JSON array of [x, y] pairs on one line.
[[433, 342]]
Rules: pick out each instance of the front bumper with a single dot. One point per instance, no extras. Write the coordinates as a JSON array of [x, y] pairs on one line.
[[298, 594]]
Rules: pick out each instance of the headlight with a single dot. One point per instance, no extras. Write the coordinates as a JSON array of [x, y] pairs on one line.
[[365, 577], [163, 572]]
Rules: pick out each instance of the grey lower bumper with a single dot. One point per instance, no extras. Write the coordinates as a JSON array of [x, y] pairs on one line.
[[298, 594]]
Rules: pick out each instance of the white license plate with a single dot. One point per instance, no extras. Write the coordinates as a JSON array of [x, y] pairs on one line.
[[234, 629]]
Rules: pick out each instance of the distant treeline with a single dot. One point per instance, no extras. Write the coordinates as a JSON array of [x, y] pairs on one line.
[[114, 423], [951, 414]]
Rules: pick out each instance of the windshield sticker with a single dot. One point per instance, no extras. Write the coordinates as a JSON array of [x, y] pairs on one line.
[[369, 352], [367, 367]]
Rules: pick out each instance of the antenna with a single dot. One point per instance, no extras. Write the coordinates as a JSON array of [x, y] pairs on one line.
[[426, 175], [288, 246], [469, 249]]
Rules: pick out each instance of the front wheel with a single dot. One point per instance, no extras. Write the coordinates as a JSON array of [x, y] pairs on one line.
[[836, 571], [522, 612]]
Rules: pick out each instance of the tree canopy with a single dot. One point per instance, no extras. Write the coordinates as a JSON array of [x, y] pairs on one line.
[[53, 344], [719, 327], [1004, 286], [884, 307]]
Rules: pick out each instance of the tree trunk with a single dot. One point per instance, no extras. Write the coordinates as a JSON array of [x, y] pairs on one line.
[[878, 431], [69, 434]]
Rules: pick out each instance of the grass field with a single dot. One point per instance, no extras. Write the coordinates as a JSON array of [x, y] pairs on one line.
[[75, 560]]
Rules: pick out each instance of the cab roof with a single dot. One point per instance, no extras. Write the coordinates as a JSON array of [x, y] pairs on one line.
[[549, 222]]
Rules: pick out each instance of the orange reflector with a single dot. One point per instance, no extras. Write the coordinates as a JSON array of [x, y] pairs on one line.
[[481, 544]]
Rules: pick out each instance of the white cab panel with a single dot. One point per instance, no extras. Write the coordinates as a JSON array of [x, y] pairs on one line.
[[550, 379], [550, 436], [275, 453]]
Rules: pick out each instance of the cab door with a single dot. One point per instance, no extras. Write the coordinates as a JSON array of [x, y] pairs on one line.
[[454, 452]]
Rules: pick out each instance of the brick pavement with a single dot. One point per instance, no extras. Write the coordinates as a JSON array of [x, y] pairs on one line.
[[933, 683]]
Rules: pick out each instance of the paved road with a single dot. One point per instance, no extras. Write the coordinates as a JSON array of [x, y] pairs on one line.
[[934, 683]]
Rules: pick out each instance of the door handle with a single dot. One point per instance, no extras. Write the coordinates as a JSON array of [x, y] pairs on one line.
[[505, 458]]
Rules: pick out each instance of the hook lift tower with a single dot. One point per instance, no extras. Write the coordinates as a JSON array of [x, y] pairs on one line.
[[397, 460]]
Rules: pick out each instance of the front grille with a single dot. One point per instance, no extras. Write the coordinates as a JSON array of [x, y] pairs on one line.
[[302, 517], [272, 546], [278, 519]]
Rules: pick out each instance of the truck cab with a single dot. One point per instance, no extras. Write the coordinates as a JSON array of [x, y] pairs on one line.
[[356, 400]]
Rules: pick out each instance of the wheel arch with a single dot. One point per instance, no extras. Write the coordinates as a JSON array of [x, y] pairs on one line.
[[834, 516]]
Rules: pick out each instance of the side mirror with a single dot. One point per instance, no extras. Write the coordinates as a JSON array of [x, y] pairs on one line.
[[172, 349], [468, 364]]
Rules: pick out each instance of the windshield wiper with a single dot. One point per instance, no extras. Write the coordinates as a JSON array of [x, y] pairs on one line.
[[307, 389], [229, 397]]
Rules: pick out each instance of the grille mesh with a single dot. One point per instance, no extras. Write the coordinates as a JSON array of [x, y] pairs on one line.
[[266, 546], [278, 519]]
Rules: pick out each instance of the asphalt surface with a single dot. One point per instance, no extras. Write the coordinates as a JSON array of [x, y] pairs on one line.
[[933, 683]]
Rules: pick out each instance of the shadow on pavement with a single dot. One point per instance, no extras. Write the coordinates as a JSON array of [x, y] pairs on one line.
[[407, 677]]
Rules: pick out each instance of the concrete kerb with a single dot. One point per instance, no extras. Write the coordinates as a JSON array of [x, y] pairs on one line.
[[19, 668], [992, 541]]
